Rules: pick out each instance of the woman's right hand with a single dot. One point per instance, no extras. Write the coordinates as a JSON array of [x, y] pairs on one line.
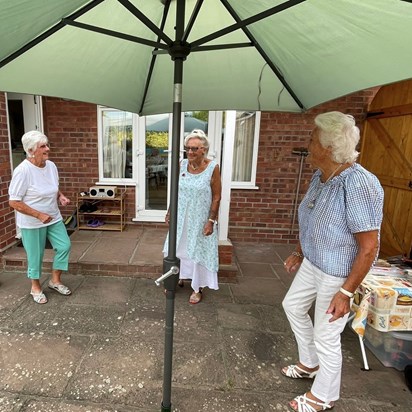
[[44, 217], [293, 262]]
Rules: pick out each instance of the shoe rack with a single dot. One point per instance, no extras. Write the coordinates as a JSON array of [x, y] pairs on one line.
[[106, 213]]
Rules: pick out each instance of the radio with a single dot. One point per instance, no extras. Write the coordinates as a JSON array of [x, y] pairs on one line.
[[103, 191]]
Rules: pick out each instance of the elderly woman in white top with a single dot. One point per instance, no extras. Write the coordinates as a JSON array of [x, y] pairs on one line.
[[339, 224], [34, 193]]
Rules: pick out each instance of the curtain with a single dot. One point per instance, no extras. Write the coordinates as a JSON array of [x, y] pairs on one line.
[[117, 135], [243, 146]]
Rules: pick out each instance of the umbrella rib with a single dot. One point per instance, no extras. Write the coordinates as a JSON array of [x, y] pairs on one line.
[[216, 47], [153, 59], [192, 20], [48, 33], [147, 22], [243, 23], [263, 54], [113, 33]]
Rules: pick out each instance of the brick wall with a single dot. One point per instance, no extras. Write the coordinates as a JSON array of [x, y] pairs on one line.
[[266, 214], [7, 222], [255, 215], [72, 130]]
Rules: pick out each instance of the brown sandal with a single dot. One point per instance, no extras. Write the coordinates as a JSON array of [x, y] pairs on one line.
[[195, 297]]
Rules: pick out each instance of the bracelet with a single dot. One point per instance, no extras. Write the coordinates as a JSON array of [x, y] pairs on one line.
[[298, 254], [211, 220], [346, 292]]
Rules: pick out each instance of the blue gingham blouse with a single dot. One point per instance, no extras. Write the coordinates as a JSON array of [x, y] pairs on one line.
[[349, 203]]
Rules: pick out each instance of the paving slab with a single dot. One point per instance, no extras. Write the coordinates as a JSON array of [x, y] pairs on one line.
[[132, 377], [107, 251], [37, 363]]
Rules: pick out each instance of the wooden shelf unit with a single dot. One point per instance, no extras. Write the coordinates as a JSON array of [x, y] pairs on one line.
[[110, 210]]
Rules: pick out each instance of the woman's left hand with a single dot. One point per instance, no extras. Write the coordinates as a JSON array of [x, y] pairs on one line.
[[339, 306], [208, 228], [64, 201]]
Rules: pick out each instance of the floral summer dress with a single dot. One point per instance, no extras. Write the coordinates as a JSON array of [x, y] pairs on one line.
[[198, 254]]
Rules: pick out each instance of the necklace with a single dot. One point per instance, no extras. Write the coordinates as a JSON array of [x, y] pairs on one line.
[[195, 168], [320, 186]]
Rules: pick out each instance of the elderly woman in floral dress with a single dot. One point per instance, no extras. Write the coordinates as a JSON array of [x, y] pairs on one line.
[[198, 207]]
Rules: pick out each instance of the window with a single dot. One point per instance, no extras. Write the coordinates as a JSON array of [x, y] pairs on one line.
[[245, 149], [115, 145]]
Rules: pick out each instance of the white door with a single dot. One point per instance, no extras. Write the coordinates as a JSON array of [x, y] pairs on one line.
[[24, 114]]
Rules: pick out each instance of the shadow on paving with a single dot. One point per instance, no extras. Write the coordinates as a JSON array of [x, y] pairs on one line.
[[101, 349]]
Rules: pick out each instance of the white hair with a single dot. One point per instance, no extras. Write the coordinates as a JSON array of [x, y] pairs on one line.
[[339, 132], [31, 140], [198, 134]]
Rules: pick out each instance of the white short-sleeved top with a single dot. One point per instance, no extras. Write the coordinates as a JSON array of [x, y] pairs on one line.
[[38, 188]]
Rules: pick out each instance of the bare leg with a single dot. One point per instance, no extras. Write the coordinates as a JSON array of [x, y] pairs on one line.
[[35, 286], [55, 276]]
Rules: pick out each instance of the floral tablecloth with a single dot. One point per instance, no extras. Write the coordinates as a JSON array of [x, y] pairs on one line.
[[384, 303]]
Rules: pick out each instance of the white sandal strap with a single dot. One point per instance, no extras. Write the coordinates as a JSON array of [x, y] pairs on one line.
[[295, 372], [304, 404], [39, 296]]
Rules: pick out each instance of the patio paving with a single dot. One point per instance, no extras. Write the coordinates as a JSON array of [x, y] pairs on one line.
[[101, 349]]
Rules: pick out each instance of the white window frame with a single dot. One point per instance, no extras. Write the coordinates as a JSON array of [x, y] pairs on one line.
[[251, 184], [126, 181]]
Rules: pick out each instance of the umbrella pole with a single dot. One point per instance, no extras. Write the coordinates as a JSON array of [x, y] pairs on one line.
[[178, 52]]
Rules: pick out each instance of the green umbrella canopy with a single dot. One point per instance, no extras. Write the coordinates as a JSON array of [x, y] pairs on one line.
[[300, 54], [189, 124]]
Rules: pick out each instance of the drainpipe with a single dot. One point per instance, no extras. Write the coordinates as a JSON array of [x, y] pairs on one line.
[[302, 152]]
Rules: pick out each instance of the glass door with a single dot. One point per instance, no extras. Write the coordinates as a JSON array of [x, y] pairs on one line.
[[154, 143], [156, 156]]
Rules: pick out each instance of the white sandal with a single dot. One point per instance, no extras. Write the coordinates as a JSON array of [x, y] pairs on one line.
[[295, 372], [304, 404], [39, 297], [59, 287]]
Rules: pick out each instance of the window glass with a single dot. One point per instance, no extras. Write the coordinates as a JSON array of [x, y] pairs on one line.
[[156, 157], [117, 144], [245, 147]]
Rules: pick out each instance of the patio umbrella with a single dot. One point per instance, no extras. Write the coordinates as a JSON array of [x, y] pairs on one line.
[[264, 55], [190, 123]]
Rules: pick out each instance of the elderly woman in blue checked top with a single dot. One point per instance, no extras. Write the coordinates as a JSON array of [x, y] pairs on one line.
[[34, 193], [339, 225], [198, 206]]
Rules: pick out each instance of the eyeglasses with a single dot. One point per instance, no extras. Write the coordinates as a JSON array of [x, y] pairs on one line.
[[192, 149]]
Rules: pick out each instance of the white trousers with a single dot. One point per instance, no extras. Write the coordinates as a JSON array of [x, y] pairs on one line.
[[318, 342]]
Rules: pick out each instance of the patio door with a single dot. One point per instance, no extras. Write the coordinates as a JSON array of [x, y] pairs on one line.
[[154, 161]]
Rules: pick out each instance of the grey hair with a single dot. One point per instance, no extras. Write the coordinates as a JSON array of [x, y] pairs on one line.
[[339, 132], [31, 140], [198, 134]]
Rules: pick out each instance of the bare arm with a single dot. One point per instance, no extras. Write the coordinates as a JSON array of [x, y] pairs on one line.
[[368, 245], [216, 186]]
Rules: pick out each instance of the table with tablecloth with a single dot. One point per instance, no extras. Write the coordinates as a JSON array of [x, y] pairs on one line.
[[383, 301]]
